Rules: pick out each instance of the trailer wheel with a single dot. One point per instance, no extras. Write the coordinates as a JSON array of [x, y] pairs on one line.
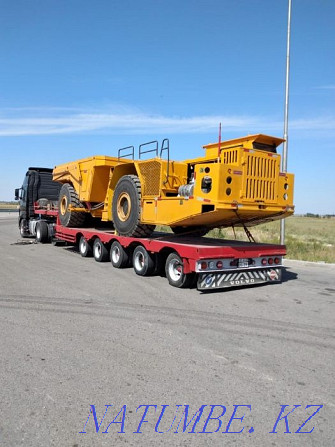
[[67, 197], [42, 232], [100, 251], [85, 247], [174, 269], [190, 231], [143, 262], [118, 255], [126, 208], [23, 228]]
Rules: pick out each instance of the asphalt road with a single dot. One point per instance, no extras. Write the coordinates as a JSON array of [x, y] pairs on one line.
[[77, 333]]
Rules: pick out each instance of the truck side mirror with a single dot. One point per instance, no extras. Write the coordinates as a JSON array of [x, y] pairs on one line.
[[17, 194]]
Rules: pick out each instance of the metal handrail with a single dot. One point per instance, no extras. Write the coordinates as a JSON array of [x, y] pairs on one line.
[[141, 152], [166, 147], [128, 154]]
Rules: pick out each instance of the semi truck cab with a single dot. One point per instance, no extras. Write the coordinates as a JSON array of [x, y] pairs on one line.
[[38, 190]]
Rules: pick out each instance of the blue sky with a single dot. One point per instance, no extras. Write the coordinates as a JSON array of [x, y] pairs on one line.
[[81, 78]]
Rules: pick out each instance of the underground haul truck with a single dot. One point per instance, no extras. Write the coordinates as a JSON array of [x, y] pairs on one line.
[[109, 207]]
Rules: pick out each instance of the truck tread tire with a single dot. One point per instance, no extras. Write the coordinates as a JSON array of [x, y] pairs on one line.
[[23, 228], [143, 262], [100, 251], [190, 231], [119, 256], [42, 232], [85, 247], [68, 196], [126, 208], [174, 270]]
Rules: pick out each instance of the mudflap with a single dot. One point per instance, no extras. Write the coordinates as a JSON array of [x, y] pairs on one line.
[[220, 280]]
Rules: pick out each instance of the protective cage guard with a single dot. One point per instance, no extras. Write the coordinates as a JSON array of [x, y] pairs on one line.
[[220, 280]]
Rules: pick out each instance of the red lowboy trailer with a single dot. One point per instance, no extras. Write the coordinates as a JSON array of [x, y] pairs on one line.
[[210, 263]]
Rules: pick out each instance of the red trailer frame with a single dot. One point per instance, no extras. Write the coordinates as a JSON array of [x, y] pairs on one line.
[[214, 263]]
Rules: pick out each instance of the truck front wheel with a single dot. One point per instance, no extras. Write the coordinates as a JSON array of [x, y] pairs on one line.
[[126, 208], [67, 197], [174, 269], [23, 228]]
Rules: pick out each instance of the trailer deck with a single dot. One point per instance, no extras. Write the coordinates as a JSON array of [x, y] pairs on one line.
[[213, 263]]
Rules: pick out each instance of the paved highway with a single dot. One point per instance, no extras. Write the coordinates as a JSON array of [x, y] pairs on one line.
[[85, 348]]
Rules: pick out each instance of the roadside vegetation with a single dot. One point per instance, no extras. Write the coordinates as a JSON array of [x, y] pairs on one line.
[[308, 238], [8, 205]]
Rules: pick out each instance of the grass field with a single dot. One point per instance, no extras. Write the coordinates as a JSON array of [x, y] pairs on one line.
[[8, 206], [307, 238]]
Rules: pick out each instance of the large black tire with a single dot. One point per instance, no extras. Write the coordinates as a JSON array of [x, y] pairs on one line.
[[42, 232], [24, 228], [174, 269], [100, 251], [68, 196], [190, 231], [119, 256], [126, 208], [143, 262]]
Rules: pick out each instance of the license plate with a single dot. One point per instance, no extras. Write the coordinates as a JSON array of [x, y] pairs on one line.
[[219, 280], [243, 263]]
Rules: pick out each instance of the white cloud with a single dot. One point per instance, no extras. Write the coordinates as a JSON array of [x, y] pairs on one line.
[[326, 87], [53, 121], [319, 123]]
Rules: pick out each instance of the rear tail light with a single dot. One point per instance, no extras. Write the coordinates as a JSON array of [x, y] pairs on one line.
[[220, 264]]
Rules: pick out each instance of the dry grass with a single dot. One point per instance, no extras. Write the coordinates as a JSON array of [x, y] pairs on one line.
[[307, 238], [8, 206]]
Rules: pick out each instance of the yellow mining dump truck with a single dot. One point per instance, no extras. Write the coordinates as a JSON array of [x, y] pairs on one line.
[[236, 183]]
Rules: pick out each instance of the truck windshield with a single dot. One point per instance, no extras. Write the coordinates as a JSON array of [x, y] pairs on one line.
[[23, 190]]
